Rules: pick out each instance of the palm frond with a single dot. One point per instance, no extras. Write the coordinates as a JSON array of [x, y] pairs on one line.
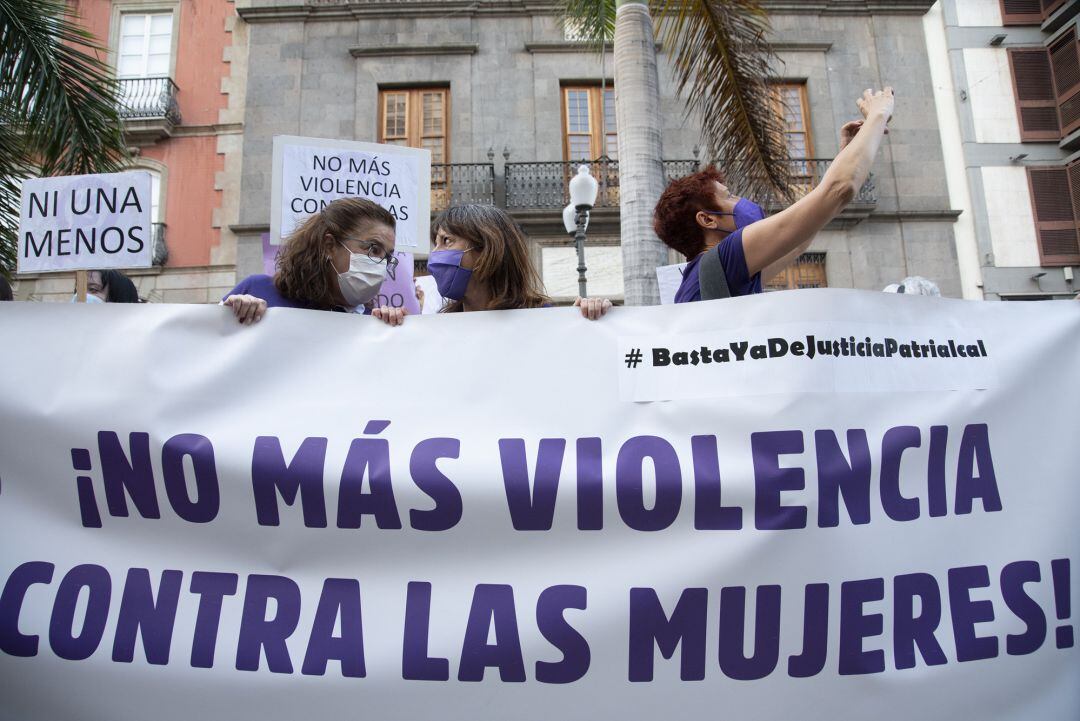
[[722, 65], [59, 102], [592, 20]]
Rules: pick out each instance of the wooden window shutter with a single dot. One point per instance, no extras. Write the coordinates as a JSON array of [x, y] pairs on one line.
[[1055, 218], [1021, 12], [1036, 104], [1049, 6], [1065, 61]]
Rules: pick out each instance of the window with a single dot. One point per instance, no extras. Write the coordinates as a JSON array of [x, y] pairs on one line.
[[589, 130], [144, 61], [1065, 62], [808, 271], [1036, 104], [145, 48], [790, 102], [419, 118], [1055, 200], [1027, 12]]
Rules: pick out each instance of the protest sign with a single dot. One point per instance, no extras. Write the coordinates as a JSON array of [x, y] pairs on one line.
[[399, 291], [669, 278], [314, 535], [308, 173], [433, 302], [85, 222]]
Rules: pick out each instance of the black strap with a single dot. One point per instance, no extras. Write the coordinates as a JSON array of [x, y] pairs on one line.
[[712, 278]]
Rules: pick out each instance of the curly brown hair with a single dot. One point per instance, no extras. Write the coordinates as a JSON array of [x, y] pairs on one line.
[[304, 271], [675, 217], [504, 265]]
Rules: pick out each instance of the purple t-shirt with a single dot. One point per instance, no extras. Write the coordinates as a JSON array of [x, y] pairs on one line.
[[262, 286], [739, 280]]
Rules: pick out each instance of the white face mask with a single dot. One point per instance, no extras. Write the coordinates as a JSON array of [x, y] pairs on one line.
[[360, 283]]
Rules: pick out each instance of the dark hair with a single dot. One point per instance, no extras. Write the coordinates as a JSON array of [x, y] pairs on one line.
[[5, 290], [304, 273], [120, 288], [504, 265], [675, 217]]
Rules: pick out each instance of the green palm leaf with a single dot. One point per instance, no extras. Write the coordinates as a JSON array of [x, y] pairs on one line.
[[593, 20], [723, 63], [59, 104]]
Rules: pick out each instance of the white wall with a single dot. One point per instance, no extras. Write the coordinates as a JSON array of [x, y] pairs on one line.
[[604, 274], [1012, 224], [978, 13], [952, 147], [990, 93]]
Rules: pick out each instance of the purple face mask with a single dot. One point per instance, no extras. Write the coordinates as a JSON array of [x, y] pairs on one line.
[[746, 212], [450, 277]]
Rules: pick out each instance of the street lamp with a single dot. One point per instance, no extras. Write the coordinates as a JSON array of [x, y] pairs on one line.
[[583, 190]]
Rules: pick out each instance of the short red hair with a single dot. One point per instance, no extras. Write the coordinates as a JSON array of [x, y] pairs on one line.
[[674, 219]]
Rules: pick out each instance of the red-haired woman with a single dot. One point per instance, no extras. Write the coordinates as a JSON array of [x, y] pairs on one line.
[[335, 260], [698, 213]]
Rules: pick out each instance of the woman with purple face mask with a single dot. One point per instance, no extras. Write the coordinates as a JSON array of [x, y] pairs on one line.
[[335, 260], [480, 261], [728, 240]]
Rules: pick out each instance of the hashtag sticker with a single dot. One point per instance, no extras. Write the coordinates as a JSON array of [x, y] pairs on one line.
[[633, 358]]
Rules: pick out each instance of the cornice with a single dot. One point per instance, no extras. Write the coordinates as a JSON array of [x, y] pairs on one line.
[[398, 50], [267, 11]]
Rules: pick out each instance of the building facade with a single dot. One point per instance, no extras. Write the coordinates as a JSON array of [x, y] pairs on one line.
[[181, 65], [1007, 78], [505, 97]]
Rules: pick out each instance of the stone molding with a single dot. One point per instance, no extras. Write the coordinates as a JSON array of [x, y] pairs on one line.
[[383, 51]]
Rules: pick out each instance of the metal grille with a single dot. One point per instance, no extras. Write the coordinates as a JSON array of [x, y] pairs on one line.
[[144, 98], [675, 169], [546, 185], [808, 271], [457, 183]]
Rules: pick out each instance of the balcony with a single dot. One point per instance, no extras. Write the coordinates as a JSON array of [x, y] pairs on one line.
[[535, 191], [457, 183], [545, 185], [149, 109]]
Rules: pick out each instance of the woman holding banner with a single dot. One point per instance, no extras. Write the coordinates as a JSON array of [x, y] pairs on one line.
[[335, 260], [480, 261]]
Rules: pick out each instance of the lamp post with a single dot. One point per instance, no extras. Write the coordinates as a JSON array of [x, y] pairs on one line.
[[583, 190]]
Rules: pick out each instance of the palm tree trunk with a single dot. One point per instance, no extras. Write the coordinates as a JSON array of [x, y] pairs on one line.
[[641, 168]]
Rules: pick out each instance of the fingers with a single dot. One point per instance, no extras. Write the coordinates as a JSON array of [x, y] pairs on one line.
[[390, 316], [247, 308], [593, 308]]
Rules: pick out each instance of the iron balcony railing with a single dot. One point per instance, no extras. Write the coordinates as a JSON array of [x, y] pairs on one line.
[[456, 183], [679, 168], [806, 174], [545, 185], [147, 98]]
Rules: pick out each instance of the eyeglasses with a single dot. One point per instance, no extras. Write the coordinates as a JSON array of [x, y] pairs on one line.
[[377, 253]]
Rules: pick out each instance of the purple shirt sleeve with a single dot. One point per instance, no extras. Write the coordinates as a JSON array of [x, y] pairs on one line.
[[732, 257]]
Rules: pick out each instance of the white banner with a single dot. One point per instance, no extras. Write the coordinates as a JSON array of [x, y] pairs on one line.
[[324, 517], [85, 222], [309, 173]]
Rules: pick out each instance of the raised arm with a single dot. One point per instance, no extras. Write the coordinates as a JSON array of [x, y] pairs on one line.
[[768, 241]]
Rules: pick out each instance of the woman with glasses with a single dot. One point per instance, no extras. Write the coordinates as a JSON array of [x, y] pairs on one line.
[[334, 260], [480, 261]]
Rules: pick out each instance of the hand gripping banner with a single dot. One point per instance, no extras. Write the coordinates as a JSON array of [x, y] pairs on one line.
[[812, 504]]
